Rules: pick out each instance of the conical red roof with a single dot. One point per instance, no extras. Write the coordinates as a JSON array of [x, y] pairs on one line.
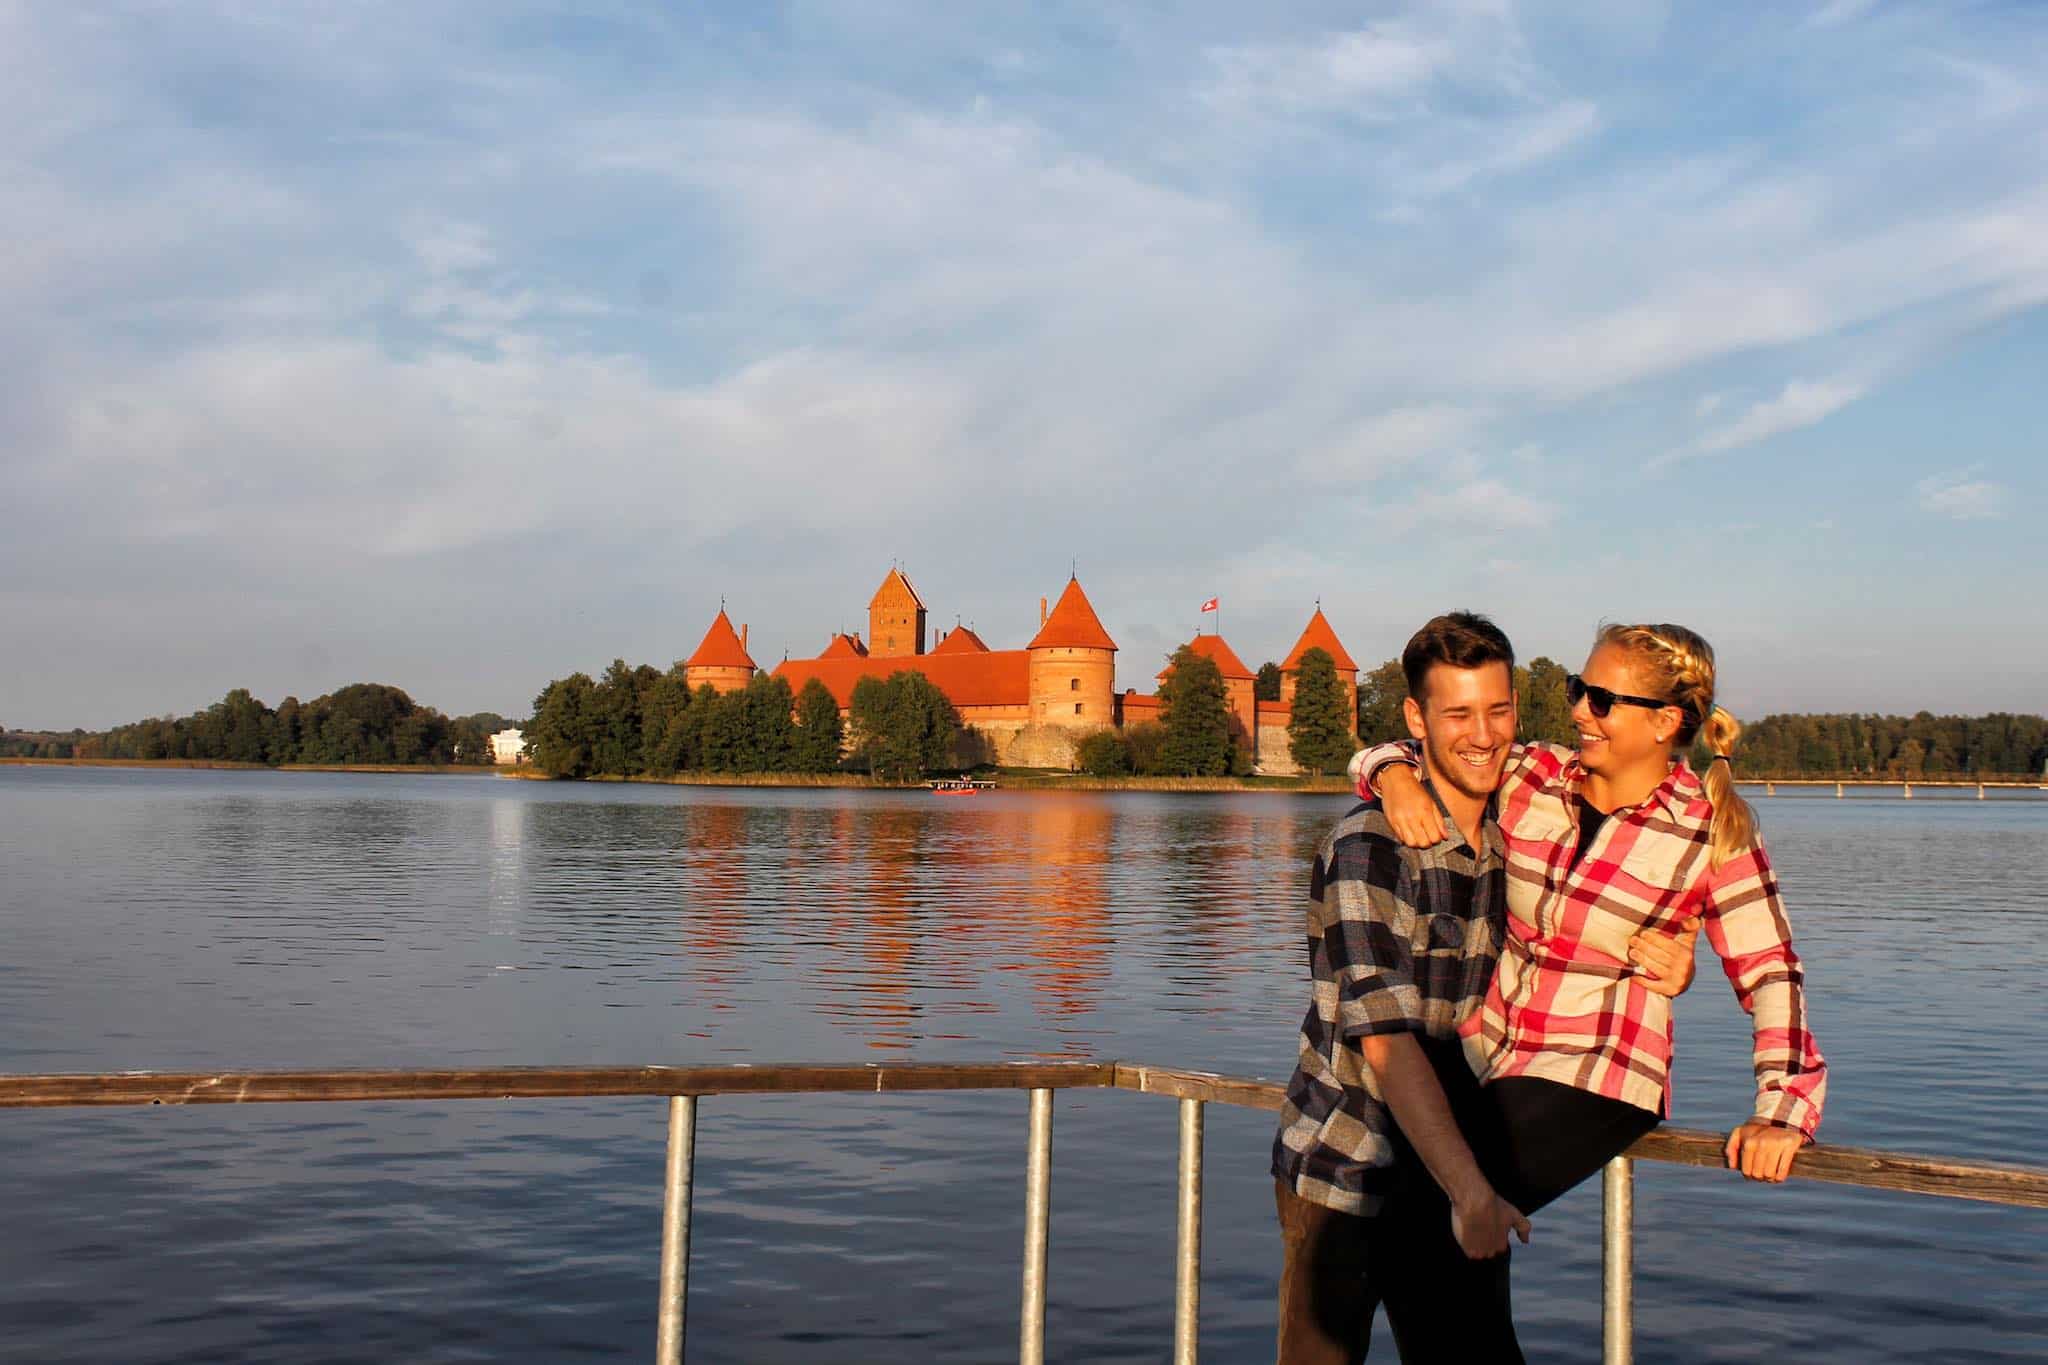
[[845, 646], [721, 647], [895, 576], [1073, 624], [961, 640], [1318, 635], [1225, 658]]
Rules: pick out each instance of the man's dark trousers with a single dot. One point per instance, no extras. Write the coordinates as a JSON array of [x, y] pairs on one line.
[[1338, 1269]]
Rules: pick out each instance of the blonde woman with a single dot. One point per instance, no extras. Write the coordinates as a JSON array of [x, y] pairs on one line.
[[1619, 837]]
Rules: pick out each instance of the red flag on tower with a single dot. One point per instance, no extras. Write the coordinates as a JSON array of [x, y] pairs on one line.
[[1211, 604]]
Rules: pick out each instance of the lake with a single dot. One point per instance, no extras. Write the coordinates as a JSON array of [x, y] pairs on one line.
[[185, 920]]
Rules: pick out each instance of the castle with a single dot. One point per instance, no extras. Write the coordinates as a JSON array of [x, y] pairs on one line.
[[1029, 706]]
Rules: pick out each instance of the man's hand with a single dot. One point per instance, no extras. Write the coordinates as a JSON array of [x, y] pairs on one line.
[[1763, 1151], [1411, 811], [1482, 1229], [1665, 961]]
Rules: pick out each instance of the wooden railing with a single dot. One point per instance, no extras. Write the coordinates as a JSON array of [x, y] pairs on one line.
[[683, 1086]]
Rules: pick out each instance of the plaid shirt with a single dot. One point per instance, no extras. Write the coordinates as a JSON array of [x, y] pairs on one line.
[[1566, 1005], [1400, 940]]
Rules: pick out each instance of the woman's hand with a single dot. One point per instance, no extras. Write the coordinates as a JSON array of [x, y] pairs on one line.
[[1763, 1151], [1665, 961], [1410, 810]]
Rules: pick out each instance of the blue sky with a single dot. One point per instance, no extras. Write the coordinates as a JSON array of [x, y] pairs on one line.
[[462, 346]]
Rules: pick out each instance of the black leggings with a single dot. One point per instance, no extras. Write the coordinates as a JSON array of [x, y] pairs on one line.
[[1535, 1139]]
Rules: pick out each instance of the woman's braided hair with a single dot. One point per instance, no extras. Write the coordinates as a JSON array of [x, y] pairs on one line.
[[1676, 663]]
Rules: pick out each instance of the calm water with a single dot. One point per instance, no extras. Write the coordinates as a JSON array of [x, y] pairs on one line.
[[187, 920]]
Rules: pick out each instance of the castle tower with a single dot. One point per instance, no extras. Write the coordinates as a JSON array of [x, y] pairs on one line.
[[1318, 635], [1073, 664], [895, 619], [721, 660]]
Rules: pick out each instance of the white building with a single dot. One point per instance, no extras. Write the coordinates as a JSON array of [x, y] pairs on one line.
[[508, 747]]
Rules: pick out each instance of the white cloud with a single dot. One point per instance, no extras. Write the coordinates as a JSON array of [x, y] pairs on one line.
[[1481, 507], [1387, 441], [1960, 495], [1840, 12], [1801, 403], [1354, 73]]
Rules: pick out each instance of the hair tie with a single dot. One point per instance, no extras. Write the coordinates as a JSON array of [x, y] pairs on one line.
[[1720, 758]]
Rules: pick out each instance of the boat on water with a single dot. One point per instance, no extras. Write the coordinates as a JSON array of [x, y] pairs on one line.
[[960, 786]]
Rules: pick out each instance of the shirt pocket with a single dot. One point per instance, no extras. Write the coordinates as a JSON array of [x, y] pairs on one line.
[[1544, 834], [1662, 869], [1446, 933]]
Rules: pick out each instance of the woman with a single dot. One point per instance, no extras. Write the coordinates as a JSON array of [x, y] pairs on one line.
[[1619, 837]]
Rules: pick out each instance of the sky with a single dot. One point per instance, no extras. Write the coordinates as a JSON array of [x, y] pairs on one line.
[[462, 346]]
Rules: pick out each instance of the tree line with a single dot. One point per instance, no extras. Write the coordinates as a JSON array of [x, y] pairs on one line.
[[363, 723], [640, 721]]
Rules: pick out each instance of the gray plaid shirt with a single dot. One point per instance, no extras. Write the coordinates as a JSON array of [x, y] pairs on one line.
[[1400, 940]]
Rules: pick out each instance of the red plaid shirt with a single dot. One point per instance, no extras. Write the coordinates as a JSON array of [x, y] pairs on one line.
[[1566, 1005]]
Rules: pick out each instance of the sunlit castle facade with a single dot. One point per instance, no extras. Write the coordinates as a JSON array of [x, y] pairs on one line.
[[1024, 707]]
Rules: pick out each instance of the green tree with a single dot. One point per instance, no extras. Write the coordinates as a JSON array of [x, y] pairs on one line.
[[765, 708], [1266, 686], [283, 746], [690, 727], [721, 732], [1545, 715], [1317, 732], [1103, 754], [1196, 718], [665, 747], [559, 738], [241, 726], [612, 711], [1145, 741], [820, 735], [903, 727], [1380, 694]]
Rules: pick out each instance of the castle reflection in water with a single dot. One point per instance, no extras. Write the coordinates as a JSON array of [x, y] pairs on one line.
[[909, 912]]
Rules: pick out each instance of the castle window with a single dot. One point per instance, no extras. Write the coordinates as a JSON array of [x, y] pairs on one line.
[[1077, 708], [1073, 684]]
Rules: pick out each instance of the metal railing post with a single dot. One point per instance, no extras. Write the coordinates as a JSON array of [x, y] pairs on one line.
[[1617, 1263], [1037, 1215], [1187, 1261], [675, 1229]]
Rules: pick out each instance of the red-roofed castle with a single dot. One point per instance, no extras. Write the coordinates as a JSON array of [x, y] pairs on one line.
[[1029, 705]]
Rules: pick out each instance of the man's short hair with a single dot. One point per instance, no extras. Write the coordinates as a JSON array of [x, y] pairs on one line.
[[1462, 639]]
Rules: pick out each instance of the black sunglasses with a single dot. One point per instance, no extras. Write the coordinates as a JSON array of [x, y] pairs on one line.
[[1600, 701]]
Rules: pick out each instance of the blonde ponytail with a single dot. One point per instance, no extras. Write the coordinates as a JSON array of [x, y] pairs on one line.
[[1680, 665]]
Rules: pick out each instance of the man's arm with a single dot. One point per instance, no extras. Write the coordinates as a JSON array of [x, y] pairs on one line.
[[1480, 1218]]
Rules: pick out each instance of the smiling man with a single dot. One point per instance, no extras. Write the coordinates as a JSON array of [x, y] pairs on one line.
[[1382, 1199], [1385, 1138]]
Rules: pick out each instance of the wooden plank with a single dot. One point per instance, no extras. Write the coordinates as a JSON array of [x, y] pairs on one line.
[[536, 1082], [1985, 1181], [1242, 1091], [1991, 1182]]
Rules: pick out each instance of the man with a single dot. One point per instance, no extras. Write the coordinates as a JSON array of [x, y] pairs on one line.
[[1380, 1161]]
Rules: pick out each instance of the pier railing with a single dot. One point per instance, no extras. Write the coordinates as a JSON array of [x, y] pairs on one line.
[[684, 1086]]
